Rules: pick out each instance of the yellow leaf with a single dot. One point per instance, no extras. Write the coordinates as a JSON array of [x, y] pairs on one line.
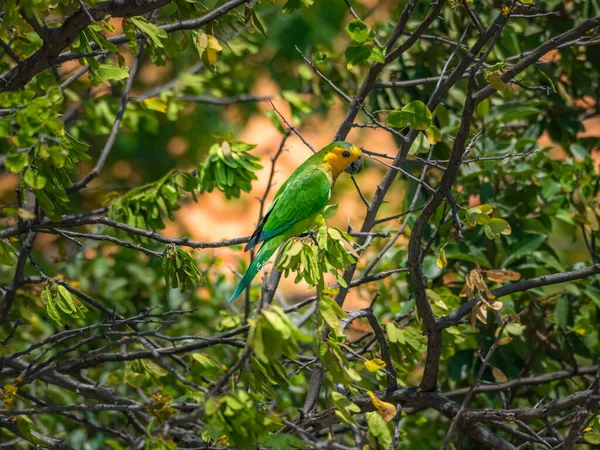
[[505, 340], [212, 49], [386, 410], [374, 365], [496, 82], [442, 262], [208, 46], [156, 104], [499, 375], [433, 135], [588, 429], [502, 275]]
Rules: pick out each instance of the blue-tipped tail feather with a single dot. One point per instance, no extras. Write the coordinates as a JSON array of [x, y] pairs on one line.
[[261, 258]]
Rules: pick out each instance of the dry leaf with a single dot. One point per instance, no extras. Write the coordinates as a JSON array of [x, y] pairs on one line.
[[481, 312], [386, 410], [499, 375], [474, 282], [502, 275], [467, 290], [496, 306], [479, 284]]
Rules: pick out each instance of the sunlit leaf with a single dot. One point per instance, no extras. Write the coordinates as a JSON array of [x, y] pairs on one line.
[[442, 262], [374, 364], [156, 104], [433, 135], [385, 409], [358, 31]]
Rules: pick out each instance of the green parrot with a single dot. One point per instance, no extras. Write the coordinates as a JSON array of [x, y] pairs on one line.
[[298, 202]]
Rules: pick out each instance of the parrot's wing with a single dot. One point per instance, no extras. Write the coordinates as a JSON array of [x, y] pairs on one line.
[[299, 198]]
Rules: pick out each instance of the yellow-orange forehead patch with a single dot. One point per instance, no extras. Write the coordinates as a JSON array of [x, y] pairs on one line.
[[354, 151], [338, 162]]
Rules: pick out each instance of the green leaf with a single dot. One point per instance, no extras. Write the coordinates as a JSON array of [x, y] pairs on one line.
[[64, 300], [47, 206], [154, 33], [134, 379], [561, 312], [517, 111], [495, 81], [156, 369], [590, 437], [15, 162], [379, 429], [110, 72], [578, 151], [292, 5], [29, 431], [545, 75], [479, 215], [53, 312], [34, 179], [6, 128], [281, 441], [526, 246], [420, 145], [206, 366], [330, 210], [358, 31], [497, 227], [357, 54], [378, 54], [7, 254], [331, 313], [415, 115]]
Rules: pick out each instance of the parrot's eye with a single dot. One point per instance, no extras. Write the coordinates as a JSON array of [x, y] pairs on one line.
[[346, 154]]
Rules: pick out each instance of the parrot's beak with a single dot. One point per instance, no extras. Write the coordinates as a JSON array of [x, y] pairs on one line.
[[355, 166]]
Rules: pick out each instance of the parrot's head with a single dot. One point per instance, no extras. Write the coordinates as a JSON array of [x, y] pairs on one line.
[[342, 156]]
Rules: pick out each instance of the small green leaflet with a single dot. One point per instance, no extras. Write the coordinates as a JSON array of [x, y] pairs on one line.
[[358, 31], [110, 72], [415, 115], [359, 53]]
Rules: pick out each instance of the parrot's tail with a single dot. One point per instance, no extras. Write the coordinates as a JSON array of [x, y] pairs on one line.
[[261, 258]]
